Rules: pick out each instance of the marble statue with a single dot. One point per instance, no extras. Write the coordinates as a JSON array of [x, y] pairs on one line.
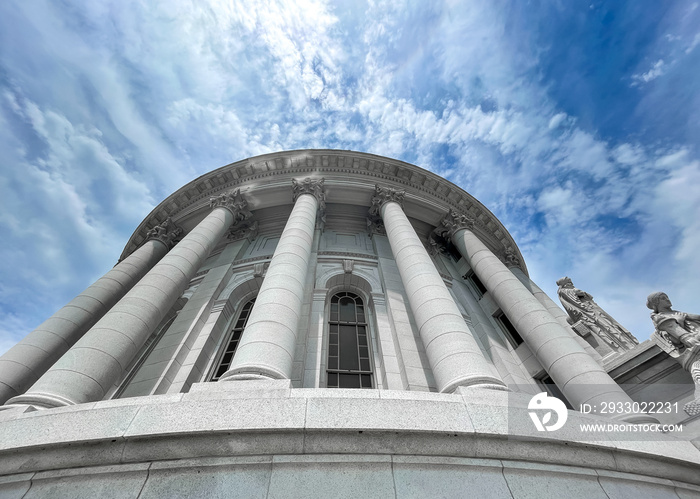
[[678, 334], [678, 329], [582, 308]]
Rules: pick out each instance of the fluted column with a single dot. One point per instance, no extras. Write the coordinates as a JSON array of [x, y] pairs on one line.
[[266, 349], [453, 354], [575, 372], [91, 367], [29, 359], [556, 312]]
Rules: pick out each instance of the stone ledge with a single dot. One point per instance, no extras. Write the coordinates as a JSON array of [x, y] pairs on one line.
[[470, 424], [280, 475]]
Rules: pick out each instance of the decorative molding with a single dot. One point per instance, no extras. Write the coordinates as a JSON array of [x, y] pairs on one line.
[[347, 254], [446, 278], [259, 269], [245, 230], [348, 266], [375, 225], [316, 189], [201, 273], [234, 202], [379, 299], [325, 272], [167, 233], [239, 263], [343, 164]]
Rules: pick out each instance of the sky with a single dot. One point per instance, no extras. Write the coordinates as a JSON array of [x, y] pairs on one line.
[[576, 123]]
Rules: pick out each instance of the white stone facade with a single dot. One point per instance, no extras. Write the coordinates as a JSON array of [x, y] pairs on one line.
[[308, 254]]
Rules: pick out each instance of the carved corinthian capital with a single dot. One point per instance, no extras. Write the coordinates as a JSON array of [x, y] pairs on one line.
[[234, 202], [452, 222], [167, 233], [383, 195], [315, 187], [509, 258]]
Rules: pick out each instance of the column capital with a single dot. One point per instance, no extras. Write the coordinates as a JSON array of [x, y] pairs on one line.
[[383, 195], [234, 202], [509, 257], [315, 187], [167, 233], [452, 222]]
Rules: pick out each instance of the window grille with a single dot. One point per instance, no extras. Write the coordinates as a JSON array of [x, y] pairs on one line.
[[349, 364], [232, 343]]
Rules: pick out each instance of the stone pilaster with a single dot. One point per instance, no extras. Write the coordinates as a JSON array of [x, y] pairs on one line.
[[98, 360], [453, 354], [27, 361], [267, 347], [576, 373]]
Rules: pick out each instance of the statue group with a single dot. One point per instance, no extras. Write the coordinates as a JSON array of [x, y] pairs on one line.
[[676, 333]]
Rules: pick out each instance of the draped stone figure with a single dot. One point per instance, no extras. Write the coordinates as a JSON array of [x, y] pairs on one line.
[[678, 334], [586, 315]]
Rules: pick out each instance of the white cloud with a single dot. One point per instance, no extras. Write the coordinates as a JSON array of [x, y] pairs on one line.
[[629, 154], [656, 70], [693, 44], [556, 120], [64, 206]]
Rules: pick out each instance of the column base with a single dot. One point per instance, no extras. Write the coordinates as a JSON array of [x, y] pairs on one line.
[[251, 373], [40, 400], [481, 382], [637, 418]]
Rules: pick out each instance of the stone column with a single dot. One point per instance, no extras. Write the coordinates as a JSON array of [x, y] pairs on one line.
[[453, 354], [578, 376], [556, 312], [92, 366], [267, 347], [29, 359]]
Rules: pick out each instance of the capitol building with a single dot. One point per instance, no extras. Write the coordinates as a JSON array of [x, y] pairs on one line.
[[324, 323]]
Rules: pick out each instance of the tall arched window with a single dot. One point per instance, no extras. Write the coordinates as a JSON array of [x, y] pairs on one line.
[[348, 345], [235, 336]]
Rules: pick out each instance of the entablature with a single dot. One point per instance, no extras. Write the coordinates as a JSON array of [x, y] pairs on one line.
[[350, 178]]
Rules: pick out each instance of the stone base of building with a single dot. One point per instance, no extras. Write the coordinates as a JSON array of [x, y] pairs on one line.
[[265, 439]]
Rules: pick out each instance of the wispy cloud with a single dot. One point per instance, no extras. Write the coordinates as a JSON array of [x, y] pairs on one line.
[[657, 69]]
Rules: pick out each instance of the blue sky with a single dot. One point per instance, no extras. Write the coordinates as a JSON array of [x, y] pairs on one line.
[[577, 124]]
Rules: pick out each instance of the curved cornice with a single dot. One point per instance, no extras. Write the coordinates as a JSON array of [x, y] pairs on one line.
[[334, 166]]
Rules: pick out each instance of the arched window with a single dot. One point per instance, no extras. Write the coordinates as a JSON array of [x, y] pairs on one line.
[[235, 336], [348, 344]]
